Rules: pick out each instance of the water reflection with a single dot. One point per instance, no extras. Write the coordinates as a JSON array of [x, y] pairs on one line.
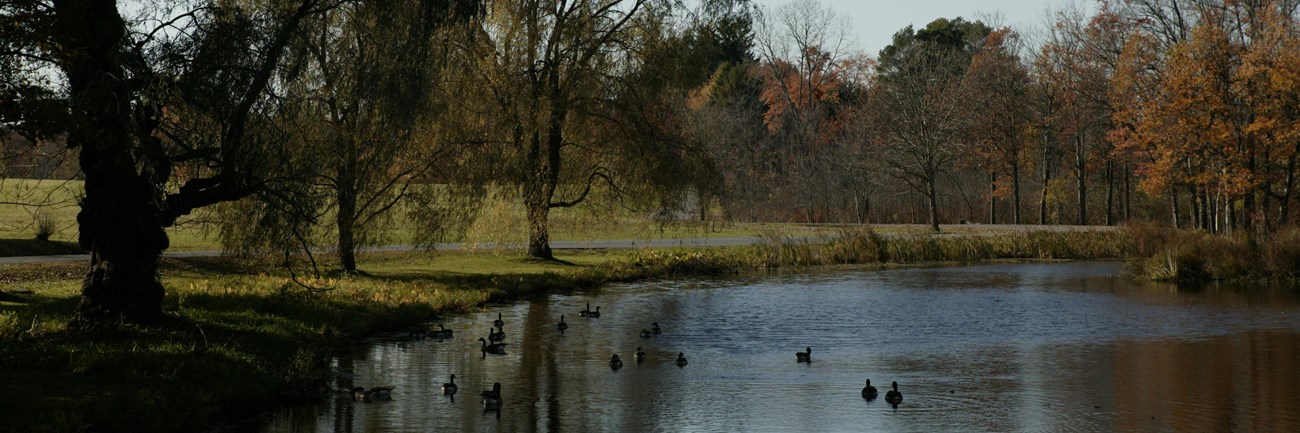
[[1037, 347]]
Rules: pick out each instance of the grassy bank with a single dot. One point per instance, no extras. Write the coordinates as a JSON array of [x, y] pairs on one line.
[[244, 337], [1194, 257], [240, 339]]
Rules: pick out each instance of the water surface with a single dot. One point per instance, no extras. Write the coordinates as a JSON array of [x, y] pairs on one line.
[[1021, 347]]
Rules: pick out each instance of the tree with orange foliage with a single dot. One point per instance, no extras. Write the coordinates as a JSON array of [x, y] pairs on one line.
[[808, 98], [1216, 114], [997, 85]]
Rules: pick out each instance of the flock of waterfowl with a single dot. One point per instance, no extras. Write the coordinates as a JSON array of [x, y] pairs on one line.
[[494, 345]]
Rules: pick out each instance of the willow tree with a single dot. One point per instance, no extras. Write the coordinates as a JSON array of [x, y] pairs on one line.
[[174, 110], [553, 70], [373, 69]]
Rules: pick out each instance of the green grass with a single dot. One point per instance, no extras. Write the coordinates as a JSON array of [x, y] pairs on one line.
[[502, 221]]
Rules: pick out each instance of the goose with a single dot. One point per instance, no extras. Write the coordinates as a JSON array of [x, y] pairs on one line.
[[681, 359], [645, 333], [640, 356], [615, 362], [869, 392], [497, 335], [499, 323], [494, 348], [442, 332], [654, 327], [585, 312], [450, 388], [377, 393], [492, 397], [594, 313], [803, 356], [893, 396], [561, 326]]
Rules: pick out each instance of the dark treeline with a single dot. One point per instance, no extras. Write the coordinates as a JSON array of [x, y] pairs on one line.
[[292, 118]]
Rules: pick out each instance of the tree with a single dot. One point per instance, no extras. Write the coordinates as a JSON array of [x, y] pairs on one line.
[[998, 83], [806, 73], [1077, 64], [553, 71], [369, 94], [916, 106], [189, 100], [1213, 113]]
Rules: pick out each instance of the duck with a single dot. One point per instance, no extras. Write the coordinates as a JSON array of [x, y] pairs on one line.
[[640, 355], [493, 336], [615, 362], [869, 392], [586, 311], [450, 388], [496, 335], [441, 332], [594, 314], [367, 395], [804, 356], [681, 359], [893, 396], [494, 348], [499, 323], [645, 333], [492, 397], [654, 327], [561, 326]]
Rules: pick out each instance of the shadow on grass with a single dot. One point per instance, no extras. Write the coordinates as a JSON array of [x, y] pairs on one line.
[[220, 356], [34, 247]]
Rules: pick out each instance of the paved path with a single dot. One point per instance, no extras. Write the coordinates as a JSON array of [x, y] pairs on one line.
[[609, 244]]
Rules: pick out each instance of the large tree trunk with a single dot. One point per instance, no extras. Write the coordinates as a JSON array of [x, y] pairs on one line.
[[346, 222], [537, 201], [346, 216], [120, 222], [539, 237]]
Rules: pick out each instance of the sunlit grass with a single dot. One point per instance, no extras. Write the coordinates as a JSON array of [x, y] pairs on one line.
[[501, 222]]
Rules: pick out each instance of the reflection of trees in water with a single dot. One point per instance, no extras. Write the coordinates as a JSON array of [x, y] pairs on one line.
[[1237, 382]]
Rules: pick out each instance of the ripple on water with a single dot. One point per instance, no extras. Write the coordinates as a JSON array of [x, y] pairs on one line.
[[1023, 348]]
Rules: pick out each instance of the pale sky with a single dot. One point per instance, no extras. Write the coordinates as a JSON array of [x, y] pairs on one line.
[[874, 22]]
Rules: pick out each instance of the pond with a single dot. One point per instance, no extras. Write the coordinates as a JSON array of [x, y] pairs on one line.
[[1009, 347]]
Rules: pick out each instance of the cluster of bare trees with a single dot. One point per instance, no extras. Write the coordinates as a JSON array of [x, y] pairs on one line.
[[323, 122]]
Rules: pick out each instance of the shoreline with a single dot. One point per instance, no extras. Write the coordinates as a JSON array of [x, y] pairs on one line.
[[246, 339]]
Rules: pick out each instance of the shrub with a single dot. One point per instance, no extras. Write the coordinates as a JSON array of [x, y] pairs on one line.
[[45, 226]]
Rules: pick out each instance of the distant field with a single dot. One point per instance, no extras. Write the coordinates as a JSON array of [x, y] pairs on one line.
[[23, 202]]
